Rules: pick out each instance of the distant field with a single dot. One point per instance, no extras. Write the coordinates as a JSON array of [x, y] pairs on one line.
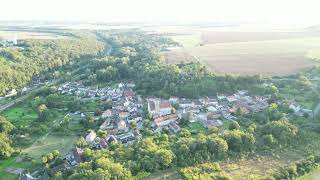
[[273, 57], [29, 35], [213, 37]]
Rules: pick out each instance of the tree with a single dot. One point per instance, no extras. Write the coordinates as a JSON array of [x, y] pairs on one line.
[[184, 133], [55, 153], [5, 126], [234, 125], [82, 143], [269, 140], [282, 130], [133, 125], [44, 160], [102, 133], [5, 149], [217, 146], [238, 140], [164, 157], [43, 112]]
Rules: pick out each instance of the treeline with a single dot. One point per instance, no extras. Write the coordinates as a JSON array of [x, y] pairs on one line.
[[19, 65], [298, 168], [5, 142]]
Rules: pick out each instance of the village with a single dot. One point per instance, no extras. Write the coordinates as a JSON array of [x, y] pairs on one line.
[[124, 119]]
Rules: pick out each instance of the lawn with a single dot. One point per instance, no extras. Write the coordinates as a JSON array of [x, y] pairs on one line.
[[11, 163], [49, 143], [314, 175], [226, 124], [21, 115], [196, 127]]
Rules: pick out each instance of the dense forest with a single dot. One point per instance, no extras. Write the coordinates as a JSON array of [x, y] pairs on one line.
[[19, 65]]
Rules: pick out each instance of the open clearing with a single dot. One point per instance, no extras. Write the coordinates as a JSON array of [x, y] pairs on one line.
[[21, 115], [274, 57], [314, 175]]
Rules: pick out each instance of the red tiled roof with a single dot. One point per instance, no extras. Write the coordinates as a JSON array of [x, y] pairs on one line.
[[129, 93], [165, 118], [164, 104]]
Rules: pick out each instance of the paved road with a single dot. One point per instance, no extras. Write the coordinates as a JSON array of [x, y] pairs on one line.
[[13, 102], [24, 97]]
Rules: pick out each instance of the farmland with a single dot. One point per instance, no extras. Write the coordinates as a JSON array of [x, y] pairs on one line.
[[29, 35], [248, 53]]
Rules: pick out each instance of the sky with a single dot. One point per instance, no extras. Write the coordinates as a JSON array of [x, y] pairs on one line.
[[265, 11]]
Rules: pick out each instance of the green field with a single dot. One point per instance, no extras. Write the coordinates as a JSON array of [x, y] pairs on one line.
[[21, 115], [49, 143], [11, 163]]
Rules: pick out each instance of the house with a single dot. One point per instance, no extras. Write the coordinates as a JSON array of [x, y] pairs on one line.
[[189, 115], [239, 107], [294, 107], [103, 143], [129, 93], [227, 115], [213, 115], [60, 168], [242, 92], [185, 103], [13, 92], [231, 99], [106, 114], [201, 116], [212, 109], [110, 139], [124, 115], [197, 104], [130, 136], [27, 177], [130, 85], [91, 137], [221, 97], [165, 120], [120, 85], [105, 125], [173, 100], [157, 107], [78, 155], [122, 125], [174, 127], [212, 123]]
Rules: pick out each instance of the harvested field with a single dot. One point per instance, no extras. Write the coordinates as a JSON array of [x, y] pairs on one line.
[[276, 57], [175, 57], [227, 37]]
